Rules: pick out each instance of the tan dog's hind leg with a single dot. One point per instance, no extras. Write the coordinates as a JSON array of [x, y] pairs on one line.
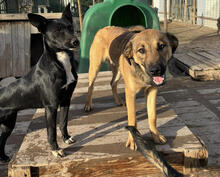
[[116, 75], [151, 97], [130, 103], [95, 63]]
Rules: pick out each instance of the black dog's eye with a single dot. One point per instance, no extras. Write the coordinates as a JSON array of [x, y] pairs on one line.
[[161, 46], [141, 50]]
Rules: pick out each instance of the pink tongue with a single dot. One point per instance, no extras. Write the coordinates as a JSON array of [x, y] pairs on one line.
[[158, 80]]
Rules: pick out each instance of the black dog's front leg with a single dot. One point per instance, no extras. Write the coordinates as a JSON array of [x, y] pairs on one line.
[[51, 117], [64, 110], [63, 121], [7, 127]]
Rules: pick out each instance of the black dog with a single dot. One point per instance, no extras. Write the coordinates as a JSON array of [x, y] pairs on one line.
[[49, 84]]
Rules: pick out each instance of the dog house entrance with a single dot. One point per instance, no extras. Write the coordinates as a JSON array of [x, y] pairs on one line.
[[128, 16]]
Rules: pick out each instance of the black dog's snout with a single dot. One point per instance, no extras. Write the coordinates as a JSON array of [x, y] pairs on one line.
[[75, 42], [157, 70]]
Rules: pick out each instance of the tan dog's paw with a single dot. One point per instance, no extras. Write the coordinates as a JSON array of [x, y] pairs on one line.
[[131, 144], [158, 138], [87, 107], [58, 153]]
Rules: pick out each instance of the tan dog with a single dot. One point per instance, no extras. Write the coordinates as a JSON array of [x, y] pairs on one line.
[[141, 58]]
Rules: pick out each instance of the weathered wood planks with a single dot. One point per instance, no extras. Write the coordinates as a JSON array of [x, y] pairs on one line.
[[200, 65], [14, 48], [100, 147]]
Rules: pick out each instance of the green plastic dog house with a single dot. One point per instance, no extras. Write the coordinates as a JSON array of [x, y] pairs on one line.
[[122, 13]]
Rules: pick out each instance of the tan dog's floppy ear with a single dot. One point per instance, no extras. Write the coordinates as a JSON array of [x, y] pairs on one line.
[[173, 41], [128, 52]]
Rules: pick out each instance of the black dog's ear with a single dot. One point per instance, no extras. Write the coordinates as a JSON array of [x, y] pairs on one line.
[[128, 54], [173, 41], [67, 14], [38, 21]]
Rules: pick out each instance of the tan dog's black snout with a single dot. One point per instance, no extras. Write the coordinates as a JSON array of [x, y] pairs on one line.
[[157, 69], [157, 72]]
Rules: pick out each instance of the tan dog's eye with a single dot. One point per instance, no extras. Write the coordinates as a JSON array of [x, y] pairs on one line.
[[161, 46], [141, 50]]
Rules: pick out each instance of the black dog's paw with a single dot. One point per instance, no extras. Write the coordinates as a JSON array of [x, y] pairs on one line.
[[69, 140], [58, 153], [4, 158]]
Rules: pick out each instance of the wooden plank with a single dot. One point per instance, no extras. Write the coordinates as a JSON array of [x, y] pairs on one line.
[[100, 141], [129, 167], [215, 53], [185, 68], [20, 69], [18, 17], [198, 66], [19, 172], [9, 46], [199, 75], [192, 64], [170, 9], [21, 48], [27, 47], [194, 158], [194, 12], [203, 61], [165, 16], [5, 56], [3, 51], [207, 18], [15, 47], [185, 10], [211, 57]]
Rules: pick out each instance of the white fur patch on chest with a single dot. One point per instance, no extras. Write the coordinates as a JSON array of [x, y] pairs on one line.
[[64, 58]]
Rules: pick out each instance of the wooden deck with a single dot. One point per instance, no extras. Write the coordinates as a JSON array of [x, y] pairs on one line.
[[101, 136], [200, 65]]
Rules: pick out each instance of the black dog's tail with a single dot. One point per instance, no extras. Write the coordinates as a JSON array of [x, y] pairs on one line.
[[148, 150]]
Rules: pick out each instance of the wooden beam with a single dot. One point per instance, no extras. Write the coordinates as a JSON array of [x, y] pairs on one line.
[[185, 10], [207, 18], [194, 12], [165, 16], [80, 14], [170, 9], [17, 17]]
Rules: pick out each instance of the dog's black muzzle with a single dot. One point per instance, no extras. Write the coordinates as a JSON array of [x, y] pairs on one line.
[[73, 44], [157, 72]]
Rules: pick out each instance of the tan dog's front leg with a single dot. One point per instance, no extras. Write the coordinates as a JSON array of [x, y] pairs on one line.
[[130, 103], [151, 96]]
